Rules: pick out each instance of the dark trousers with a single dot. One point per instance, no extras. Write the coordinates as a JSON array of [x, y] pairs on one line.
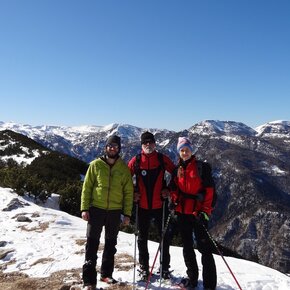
[[187, 226], [144, 219], [100, 218]]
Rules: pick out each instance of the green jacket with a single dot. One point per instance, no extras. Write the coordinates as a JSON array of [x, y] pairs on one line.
[[108, 187]]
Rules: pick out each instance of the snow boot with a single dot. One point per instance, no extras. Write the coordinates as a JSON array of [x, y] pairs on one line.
[[143, 274], [166, 275], [187, 284], [108, 280]]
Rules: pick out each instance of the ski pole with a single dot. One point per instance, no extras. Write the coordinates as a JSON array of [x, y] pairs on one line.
[[219, 251], [135, 245], [161, 240]]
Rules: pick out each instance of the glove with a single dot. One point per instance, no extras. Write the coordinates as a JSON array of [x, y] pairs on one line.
[[126, 221], [136, 196], [203, 217], [164, 193], [172, 205]]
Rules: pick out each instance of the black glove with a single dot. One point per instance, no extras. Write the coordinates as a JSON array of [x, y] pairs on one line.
[[203, 218], [172, 205], [136, 196]]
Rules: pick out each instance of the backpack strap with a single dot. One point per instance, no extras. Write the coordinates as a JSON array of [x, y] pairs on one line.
[[137, 172], [199, 165], [204, 171], [163, 169], [137, 164], [161, 161]]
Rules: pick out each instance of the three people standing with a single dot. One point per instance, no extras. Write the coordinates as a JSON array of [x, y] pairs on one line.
[[108, 193]]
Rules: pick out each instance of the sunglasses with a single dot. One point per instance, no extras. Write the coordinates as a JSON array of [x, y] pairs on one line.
[[150, 141], [113, 146]]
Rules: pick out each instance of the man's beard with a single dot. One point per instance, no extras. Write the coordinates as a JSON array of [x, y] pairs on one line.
[[148, 150], [113, 155]]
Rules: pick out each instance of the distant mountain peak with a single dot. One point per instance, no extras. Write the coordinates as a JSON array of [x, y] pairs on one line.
[[222, 128], [277, 129]]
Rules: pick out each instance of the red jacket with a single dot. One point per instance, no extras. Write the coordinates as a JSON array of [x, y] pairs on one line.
[[150, 178], [193, 193]]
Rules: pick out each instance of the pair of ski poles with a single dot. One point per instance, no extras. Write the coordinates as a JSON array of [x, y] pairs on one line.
[[160, 246]]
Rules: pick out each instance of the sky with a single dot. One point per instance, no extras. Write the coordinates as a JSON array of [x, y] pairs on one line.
[[164, 64], [57, 246]]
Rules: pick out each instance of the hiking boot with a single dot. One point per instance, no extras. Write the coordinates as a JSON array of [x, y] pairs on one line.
[[90, 287], [166, 274], [185, 282], [108, 280], [143, 274]]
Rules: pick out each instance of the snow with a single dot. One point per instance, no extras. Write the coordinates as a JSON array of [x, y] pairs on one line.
[[22, 158], [85, 129], [274, 129], [164, 143], [273, 169], [51, 242]]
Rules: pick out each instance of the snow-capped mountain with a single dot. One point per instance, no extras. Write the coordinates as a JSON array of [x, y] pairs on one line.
[[86, 142], [251, 171], [82, 142], [75, 133], [211, 127], [275, 129]]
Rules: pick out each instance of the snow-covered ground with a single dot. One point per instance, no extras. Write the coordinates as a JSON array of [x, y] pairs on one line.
[[53, 240]]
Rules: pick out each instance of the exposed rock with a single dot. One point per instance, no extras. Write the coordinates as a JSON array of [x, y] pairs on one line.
[[5, 252], [3, 243], [14, 204], [23, 218]]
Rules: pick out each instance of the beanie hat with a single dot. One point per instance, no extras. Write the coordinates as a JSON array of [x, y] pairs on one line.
[[147, 136], [183, 142], [114, 139]]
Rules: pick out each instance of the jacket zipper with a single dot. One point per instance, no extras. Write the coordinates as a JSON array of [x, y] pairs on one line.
[[109, 187]]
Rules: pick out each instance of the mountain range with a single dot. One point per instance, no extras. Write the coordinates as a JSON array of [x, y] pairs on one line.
[[251, 168]]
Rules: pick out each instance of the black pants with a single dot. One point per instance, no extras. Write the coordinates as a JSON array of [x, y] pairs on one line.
[[188, 225], [111, 221], [144, 219]]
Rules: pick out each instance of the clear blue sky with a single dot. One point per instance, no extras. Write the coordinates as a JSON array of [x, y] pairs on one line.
[[148, 63]]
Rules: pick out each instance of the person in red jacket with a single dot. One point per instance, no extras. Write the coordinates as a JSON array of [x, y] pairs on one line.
[[193, 197], [151, 193]]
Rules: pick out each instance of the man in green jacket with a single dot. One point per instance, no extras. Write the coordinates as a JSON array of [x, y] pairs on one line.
[[106, 195]]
